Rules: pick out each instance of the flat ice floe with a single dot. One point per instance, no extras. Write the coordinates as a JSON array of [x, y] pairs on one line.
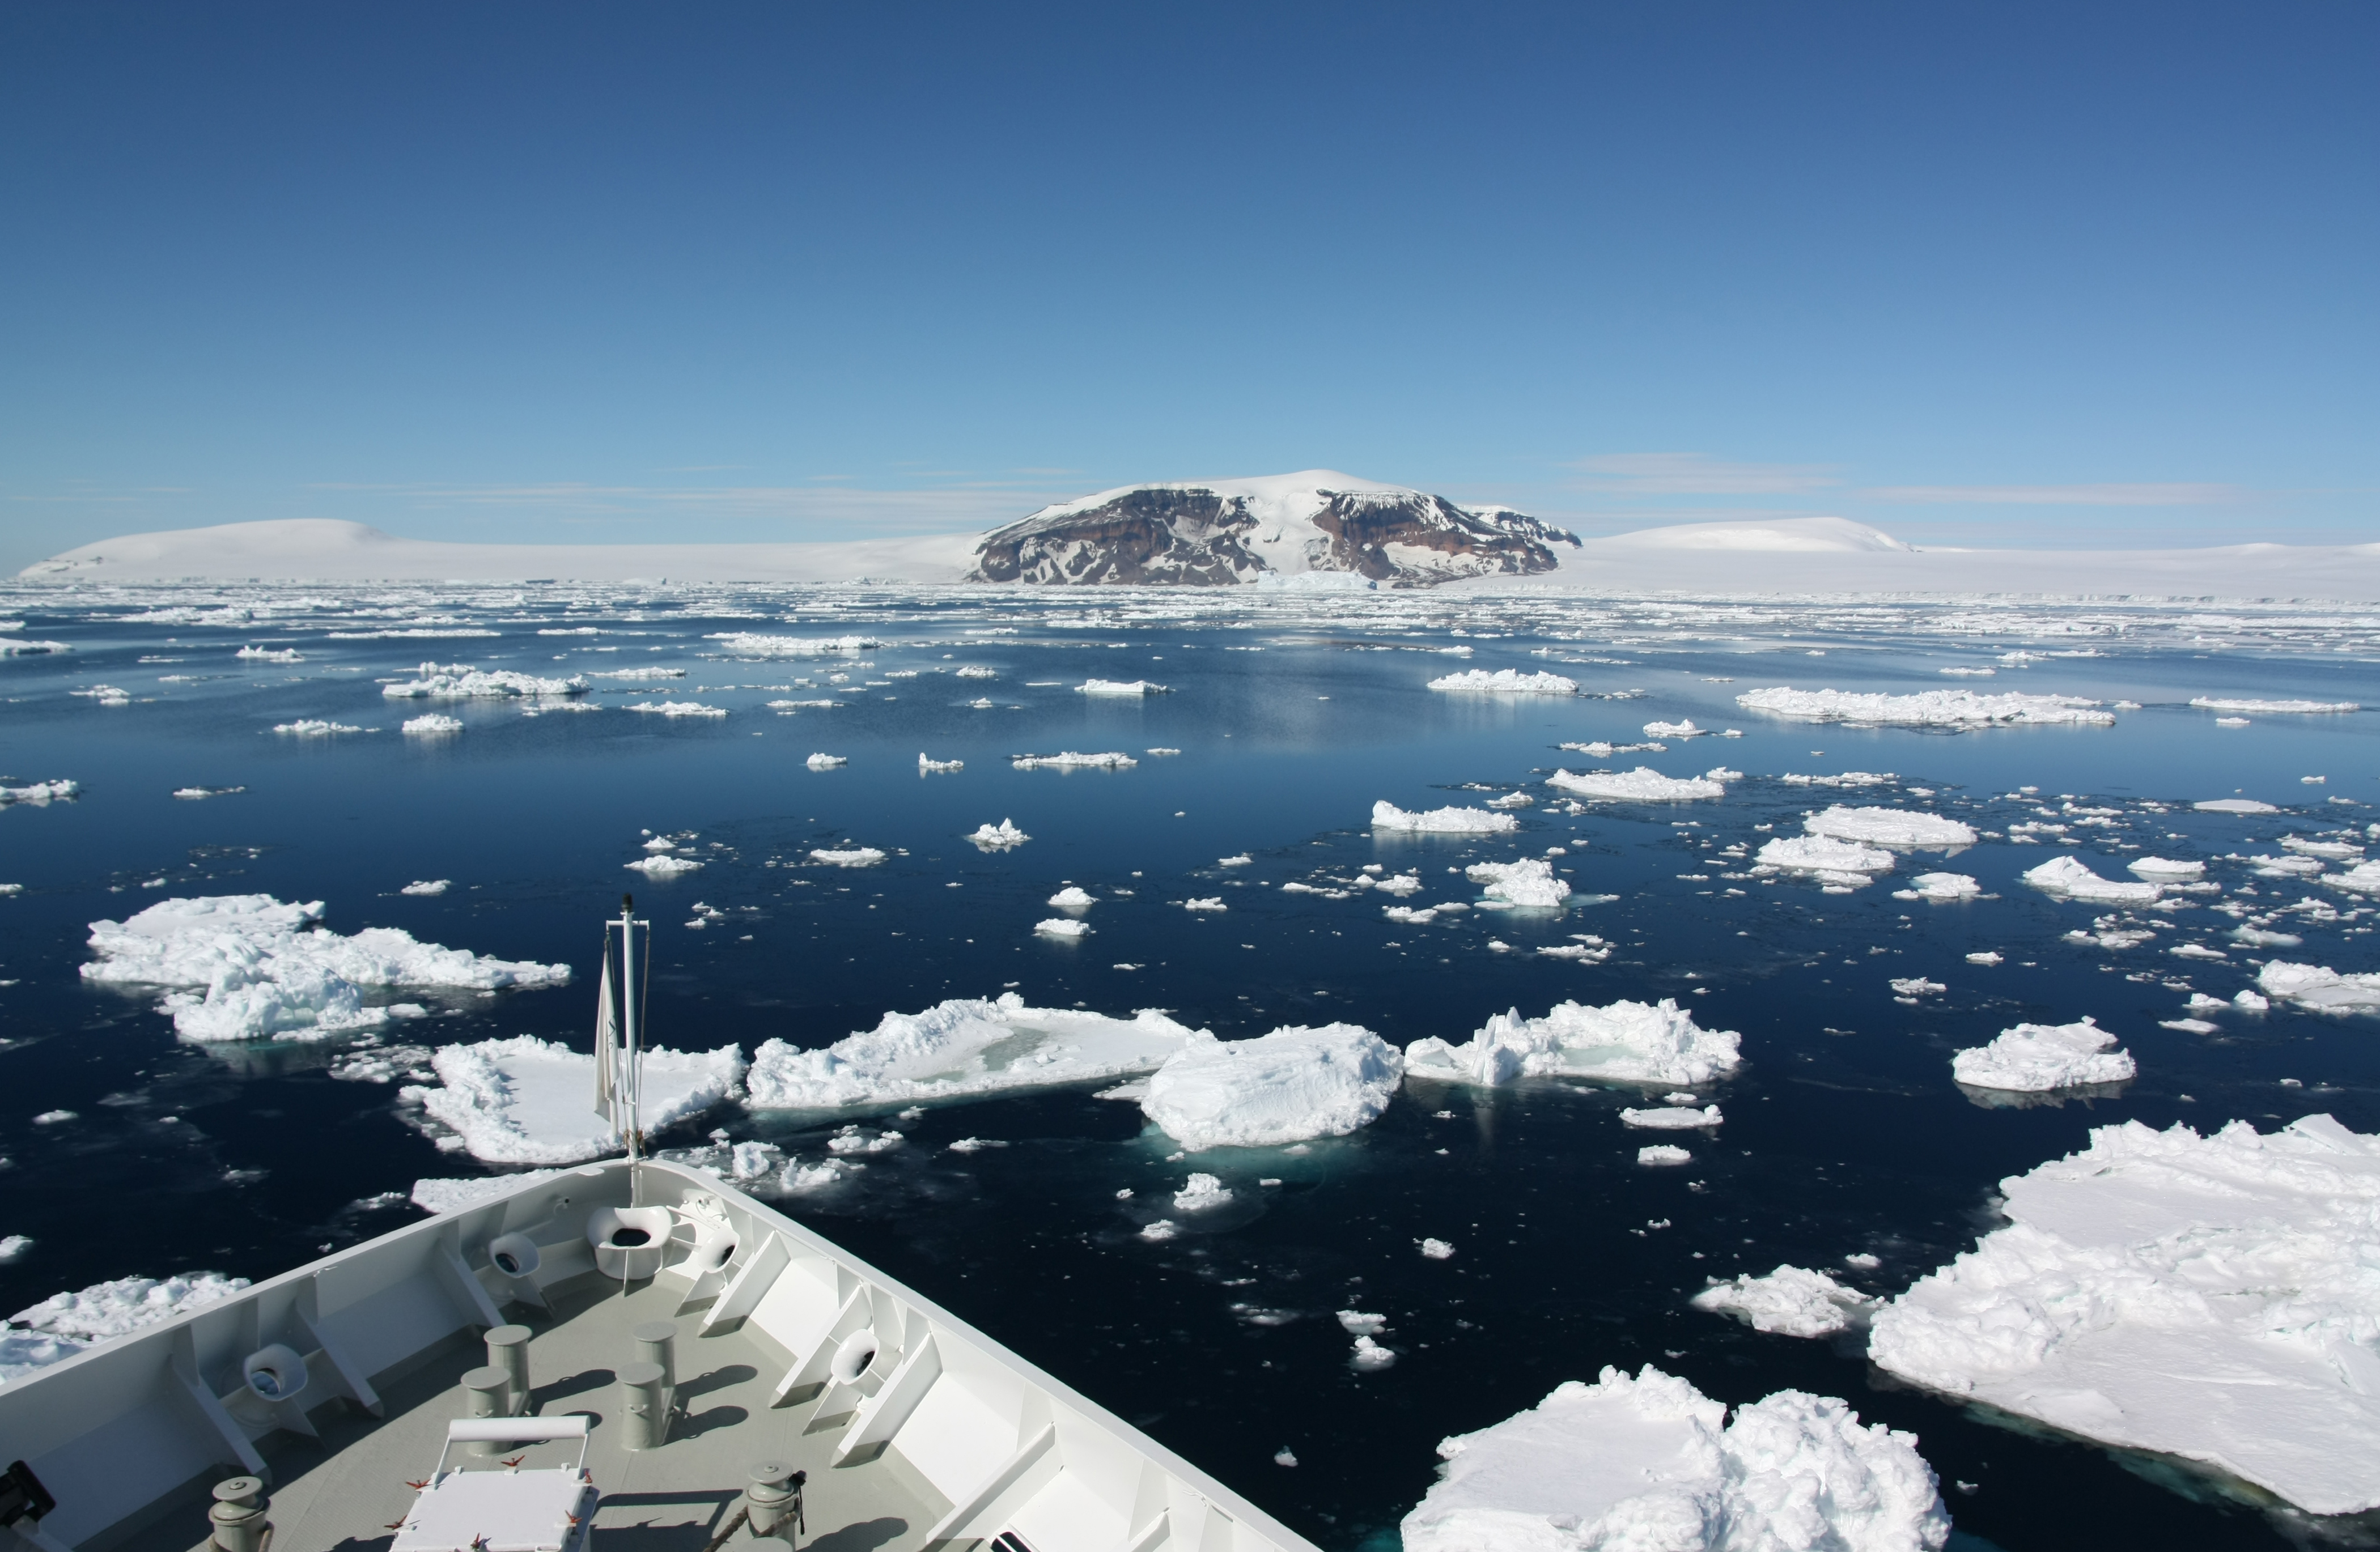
[[1837, 861], [454, 1195], [1648, 1463], [1070, 761], [848, 856], [1662, 1156], [2066, 876], [959, 1048], [315, 727], [39, 793], [749, 644], [2320, 988], [999, 836], [1791, 1302], [1925, 708], [434, 723], [1848, 778], [827, 762], [1642, 784], [523, 1100], [1119, 687], [66, 1324], [662, 867], [1061, 926], [2037, 1058], [1940, 886], [2234, 805], [1506, 681], [247, 967], [2164, 867], [1449, 820], [1074, 897], [1622, 1042], [1528, 882], [2216, 703], [426, 886], [677, 708], [1891, 826], [2363, 878], [462, 682], [931, 767], [1289, 1085], [1674, 730], [1671, 1118], [2210, 1298]]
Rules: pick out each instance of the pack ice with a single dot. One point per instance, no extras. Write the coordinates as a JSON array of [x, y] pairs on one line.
[[244, 966], [749, 644], [66, 1324], [462, 682], [1449, 820], [2205, 1297], [2320, 988], [523, 1100], [2037, 1058], [1622, 1042], [1891, 826], [2217, 703], [1506, 681], [2066, 876], [1833, 862], [1293, 1084], [1648, 1463], [963, 1047], [1925, 708], [1642, 784]]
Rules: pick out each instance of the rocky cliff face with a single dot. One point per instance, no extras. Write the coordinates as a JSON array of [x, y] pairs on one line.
[[1241, 530]]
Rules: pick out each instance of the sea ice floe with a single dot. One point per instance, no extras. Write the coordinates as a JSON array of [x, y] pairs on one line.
[[1074, 897], [39, 793], [456, 1195], [1370, 1354], [928, 767], [748, 644], [2204, 1297], [1917, 985], [2320, 988], [1435, 1250], [426, 886], [1671, 1118], [2037, 1058], [1674, 730], [1200, 1194], [1241, 860], [247, 967], [2164, 867], [2329, 851], [66, 1324], [1209, 902], [1940, 886], [1119, 687], [434, 723], [1400, 883], [1062, 927], [1660, 1154], [1163, 1228], [1925, 708], [1791, 1301], [1891, 826], [848, 856], [1528, 882], [315, 727], [523, 1100], [1848, 778], [462, 682], [976, 670], [1449, 820], [2068, 877], [1648, 1463], [826, 763], [1293, 1084], [662, 867], [2217, 703], [647, 673], [1070, 761], [1507, 681], [1622, 1042], [1642, 784], [2363, 878], [959, 1048], [2234, 805], [677, 709], [1356, 1323], [1834, 862]]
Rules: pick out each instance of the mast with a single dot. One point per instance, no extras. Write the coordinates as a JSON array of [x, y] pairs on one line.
[[632, 1081]]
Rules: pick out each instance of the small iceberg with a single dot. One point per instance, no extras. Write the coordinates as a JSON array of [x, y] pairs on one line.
[[2038, 1057], [1528, 882], [1292, 1085], [1791, 1301], [827, 762], [1623, 1042], [1449, 820], [1642, 784], [999, 836], [1506, 681], [1913, 828], [1959, 709], [2068, 877]]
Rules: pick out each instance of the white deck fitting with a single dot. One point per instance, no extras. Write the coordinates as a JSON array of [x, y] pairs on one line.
[[942, 1437]]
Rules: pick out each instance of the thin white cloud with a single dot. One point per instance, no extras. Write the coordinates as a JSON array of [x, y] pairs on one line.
[[2150, 494], [945, 508], [1697, 473]]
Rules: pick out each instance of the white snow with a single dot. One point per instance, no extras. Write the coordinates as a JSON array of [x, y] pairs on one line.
[[1621, 1042], [826, 763], [2234, 805], [434, 723], [1070, 761], [2217, 703], [1061, 926], [1648, 1463], [677, 708], [848, 856], [963, 1047], [999, 836], [662, 867], [2320, 988], [247, 967], [39, 793], [2037, 1058], [523, 1100], [1673, 1118], [1119, 687], [1658, 1155], [1791, 1301], [426, 886], [455, 1196], [2206, 1297], [1925, 708], [1506, 681], [1940, 886], [1891, 826], [747, 644], [1529, 881], [1293, 1084], [462, 682], [2164, 867], [2066, 876], [1642, 784], [66, 1324], [1449, 820]]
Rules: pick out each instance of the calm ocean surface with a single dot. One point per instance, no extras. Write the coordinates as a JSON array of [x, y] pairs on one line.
[[1291, 716]]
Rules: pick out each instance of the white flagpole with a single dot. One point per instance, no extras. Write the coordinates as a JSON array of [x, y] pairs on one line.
[[633, 1077]]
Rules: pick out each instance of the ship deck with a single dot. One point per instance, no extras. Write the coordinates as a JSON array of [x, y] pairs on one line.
[[345, 1491]]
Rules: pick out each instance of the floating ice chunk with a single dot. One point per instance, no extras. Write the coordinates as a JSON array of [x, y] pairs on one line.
[[1069, 760], [849, 856], [750, 1161], [1400, 883], [677, 709], [1241, 860], [1355, 1322], [66, 1324], [1435, 1250], [2319, 988], [2252, 1001], [1409, 915], [1506, 681], [1623, 1042], [1118, 688], [1940, 886], [926, 767], [426, 886], [1647, 1463], [1988, 956], [647, 673], [2068, 877], [826, 763], [1370, 1355], [999, 836], [2204, 1297], [1848, 778], [2164, 867], [961, 1047], [1790, 1301], [1674, 730], [1917, 985], [2363, 878], [851, 1140], [976, 670], [1925, 708], [1449, 820], [1062, 927], [2234, 805], [2190, 1025], [1825, 856], [245, 967], [523, 1100], [803, 1178], [1529, 881], [748, 644], [2218, 703], [1642, 784], [462, 682], [314, 727], [2037, 1058], [1671, 1118], [1660, 1155], [1891, 826], [1969, 673], [1163, 1228], [434, 723], [1074, 897], [1201, 1193], [14, 1248], [39, 793], [1283, 1087], [54, 1118], [1721, 774], [662, 867], [1512, 800]]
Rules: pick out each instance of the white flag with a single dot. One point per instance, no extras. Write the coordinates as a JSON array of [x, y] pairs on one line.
[[607, 1045]]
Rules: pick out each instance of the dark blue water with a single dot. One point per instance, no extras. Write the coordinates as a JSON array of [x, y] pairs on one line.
[[1844, 1133]]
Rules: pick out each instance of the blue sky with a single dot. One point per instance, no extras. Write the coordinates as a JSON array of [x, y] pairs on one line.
[[2015, 274]]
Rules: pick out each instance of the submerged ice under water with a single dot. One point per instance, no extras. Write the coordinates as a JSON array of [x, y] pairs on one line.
[[1582, 935]]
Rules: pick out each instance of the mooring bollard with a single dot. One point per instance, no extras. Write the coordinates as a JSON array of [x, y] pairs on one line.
[[644, 1404], [657, 1344], [773, 1500], [237, 1514], [508, 1351], [487, 1392]]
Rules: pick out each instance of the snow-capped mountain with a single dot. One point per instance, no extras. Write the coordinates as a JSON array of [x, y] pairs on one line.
[[1225, 531]]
